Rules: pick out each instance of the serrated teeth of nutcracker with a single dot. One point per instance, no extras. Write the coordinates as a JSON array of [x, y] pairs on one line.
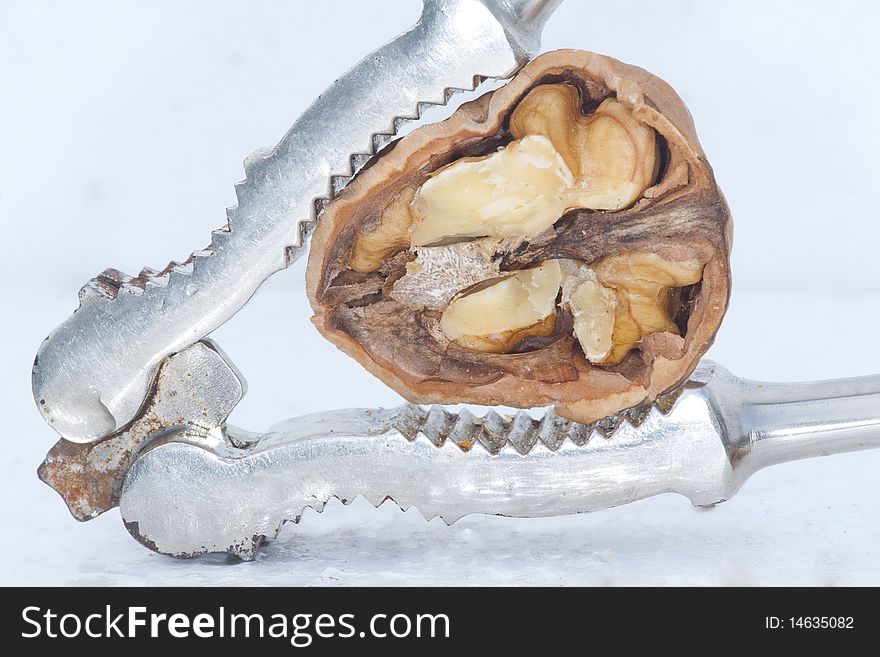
[[521, 431]]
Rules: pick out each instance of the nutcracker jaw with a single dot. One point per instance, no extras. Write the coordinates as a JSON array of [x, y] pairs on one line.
[[93, 374], [132, 368], [196, 491]]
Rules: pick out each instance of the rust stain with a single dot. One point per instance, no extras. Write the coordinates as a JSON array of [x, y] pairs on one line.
[[466, 444], [89, 477]]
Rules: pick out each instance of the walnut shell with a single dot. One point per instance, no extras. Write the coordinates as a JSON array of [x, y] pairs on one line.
[[681, 216]]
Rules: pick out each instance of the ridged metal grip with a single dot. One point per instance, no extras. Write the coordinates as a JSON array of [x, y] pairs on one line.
[[183, 498]]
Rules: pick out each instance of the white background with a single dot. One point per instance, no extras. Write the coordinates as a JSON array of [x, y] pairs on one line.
[[122, 129]]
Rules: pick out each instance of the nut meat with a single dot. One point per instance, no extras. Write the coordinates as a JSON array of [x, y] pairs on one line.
[[560, 240]]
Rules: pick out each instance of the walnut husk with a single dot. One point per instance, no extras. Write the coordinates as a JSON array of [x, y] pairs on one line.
[[681, 217]]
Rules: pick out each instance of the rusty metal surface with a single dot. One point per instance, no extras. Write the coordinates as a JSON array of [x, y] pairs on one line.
[[194, 392]]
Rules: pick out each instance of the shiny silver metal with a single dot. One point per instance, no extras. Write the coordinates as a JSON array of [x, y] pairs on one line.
[[93, 373], [184, 498]]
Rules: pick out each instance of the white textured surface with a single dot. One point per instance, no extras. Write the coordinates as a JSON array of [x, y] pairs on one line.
[[123, 128]]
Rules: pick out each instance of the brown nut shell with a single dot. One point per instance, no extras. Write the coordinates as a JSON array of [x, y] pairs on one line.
[[682, 217]]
